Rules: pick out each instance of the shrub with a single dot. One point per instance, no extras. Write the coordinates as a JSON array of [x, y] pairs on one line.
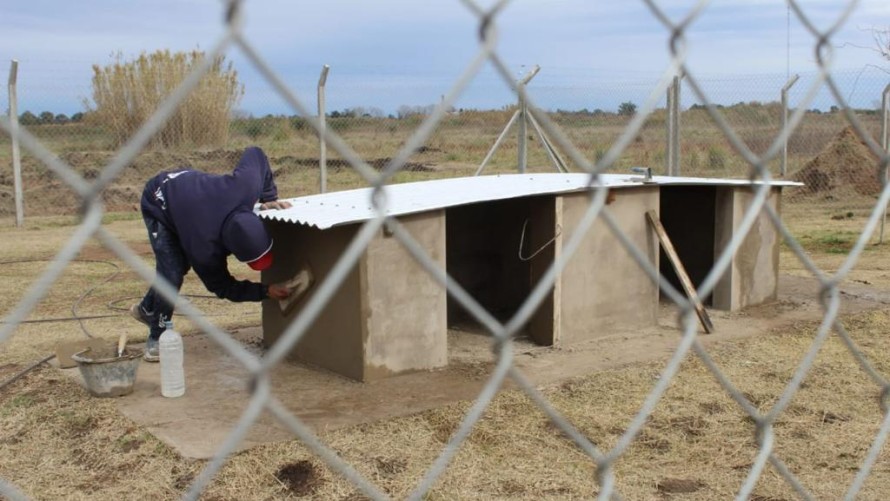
[[598, 154], [254, 128], [339, 124], [298, 123], [627, 109], [127, 93], [28, 118], [716, 158]]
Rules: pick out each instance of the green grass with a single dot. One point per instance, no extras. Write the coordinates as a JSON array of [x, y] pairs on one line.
[[111, 217], [22, 401], [828, 241]]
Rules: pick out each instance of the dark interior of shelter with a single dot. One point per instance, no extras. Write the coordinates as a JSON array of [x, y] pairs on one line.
[[498, 251], [688, 217]]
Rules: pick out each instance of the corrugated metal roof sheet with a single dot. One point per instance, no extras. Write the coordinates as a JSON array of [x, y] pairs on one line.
[[353, 206]]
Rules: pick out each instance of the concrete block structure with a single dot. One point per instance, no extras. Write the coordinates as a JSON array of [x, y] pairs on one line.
[[387, 317], [496, 236]]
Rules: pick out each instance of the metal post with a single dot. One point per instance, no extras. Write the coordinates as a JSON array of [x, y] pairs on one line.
[[523, 117], [669, 130], [521, 112], [673, 133], [322, 144], [14, 128], [885, 143], [885, 119], [521, 134], [784, 170]]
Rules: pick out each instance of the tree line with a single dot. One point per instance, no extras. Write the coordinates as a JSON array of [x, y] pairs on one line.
[[48, 117]]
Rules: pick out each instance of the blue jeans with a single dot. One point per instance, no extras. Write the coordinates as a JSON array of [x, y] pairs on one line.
[[170, 263]]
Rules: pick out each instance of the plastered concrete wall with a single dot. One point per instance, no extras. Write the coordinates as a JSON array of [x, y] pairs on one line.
[[753, 276], [541, 238], [603, 286], [335, 340], [404, 308]]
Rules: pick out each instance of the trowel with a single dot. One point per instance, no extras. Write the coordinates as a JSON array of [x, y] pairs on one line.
[[121, 344], [298, 285]]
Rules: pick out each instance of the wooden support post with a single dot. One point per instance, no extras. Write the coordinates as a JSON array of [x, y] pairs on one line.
[[668, 247]]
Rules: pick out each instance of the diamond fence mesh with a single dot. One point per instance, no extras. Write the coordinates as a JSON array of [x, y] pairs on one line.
[[823, 151], [71, 167]]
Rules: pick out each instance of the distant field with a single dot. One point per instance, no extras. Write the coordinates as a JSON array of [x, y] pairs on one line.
[[456, 148]]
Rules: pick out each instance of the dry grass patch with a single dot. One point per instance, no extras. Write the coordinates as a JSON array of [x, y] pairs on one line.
[[59, 443], [698, 444], [56, 442]]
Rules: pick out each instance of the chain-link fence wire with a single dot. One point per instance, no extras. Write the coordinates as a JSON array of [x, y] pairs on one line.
[[823, 151], [86, 189]]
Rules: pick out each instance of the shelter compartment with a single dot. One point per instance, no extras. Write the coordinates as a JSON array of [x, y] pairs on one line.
[[484, 254], [497, 236], [700, 221]]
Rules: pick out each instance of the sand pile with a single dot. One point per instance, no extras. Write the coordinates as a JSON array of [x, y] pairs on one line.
[[846, 164]]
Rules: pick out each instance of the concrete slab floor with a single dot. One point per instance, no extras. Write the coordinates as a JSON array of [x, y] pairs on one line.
[[197, 424]]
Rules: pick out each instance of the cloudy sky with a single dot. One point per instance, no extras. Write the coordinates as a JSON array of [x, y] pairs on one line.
[[390, 53]]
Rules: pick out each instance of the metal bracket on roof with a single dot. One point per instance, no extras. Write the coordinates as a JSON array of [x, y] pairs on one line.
[[645, 171]]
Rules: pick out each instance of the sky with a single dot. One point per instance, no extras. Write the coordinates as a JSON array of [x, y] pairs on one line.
[[387, 54]]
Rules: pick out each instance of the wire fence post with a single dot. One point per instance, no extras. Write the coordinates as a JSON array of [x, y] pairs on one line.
[[14, 138], [885, 144], [523, 119], [673, 124], [322, 144], [791, 81], [522, 116]]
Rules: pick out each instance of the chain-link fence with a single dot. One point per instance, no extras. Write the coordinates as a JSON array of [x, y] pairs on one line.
[[72, 168], [823, 151]]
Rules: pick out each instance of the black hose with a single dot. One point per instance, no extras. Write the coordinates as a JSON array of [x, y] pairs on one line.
[[30, 368], [73, 313], [76, 303], [63, 319], [74, 316]]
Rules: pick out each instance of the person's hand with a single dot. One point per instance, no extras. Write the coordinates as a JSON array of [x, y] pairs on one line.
[[279, 291], [275, 204]]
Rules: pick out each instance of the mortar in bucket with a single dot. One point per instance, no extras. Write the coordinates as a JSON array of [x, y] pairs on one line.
[[105, 373]]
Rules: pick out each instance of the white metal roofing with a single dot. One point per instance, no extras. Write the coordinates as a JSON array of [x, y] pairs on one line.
[[353, 206]]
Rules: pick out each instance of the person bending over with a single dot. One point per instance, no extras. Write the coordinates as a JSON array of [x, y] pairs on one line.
[[195, 220]]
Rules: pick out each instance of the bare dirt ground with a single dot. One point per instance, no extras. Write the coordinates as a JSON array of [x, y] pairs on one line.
[[197, 425], [47, 195], [58, 442]]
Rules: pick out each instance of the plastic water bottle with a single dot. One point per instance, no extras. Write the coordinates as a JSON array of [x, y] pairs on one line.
[[170, 352]]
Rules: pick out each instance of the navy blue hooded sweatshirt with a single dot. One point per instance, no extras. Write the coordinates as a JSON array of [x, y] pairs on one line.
[[197, 206]]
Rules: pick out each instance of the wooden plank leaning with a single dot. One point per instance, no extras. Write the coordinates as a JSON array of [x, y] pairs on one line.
[[668, 247]]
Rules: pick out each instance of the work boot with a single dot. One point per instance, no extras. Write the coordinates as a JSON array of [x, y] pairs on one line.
[[151, 351], [139, 314]]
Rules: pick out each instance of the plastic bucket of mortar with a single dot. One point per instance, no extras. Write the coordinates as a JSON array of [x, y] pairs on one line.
[[105, 373]]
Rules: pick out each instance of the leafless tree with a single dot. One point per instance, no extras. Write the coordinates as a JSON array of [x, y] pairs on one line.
[[882, 41], [881, 38]]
